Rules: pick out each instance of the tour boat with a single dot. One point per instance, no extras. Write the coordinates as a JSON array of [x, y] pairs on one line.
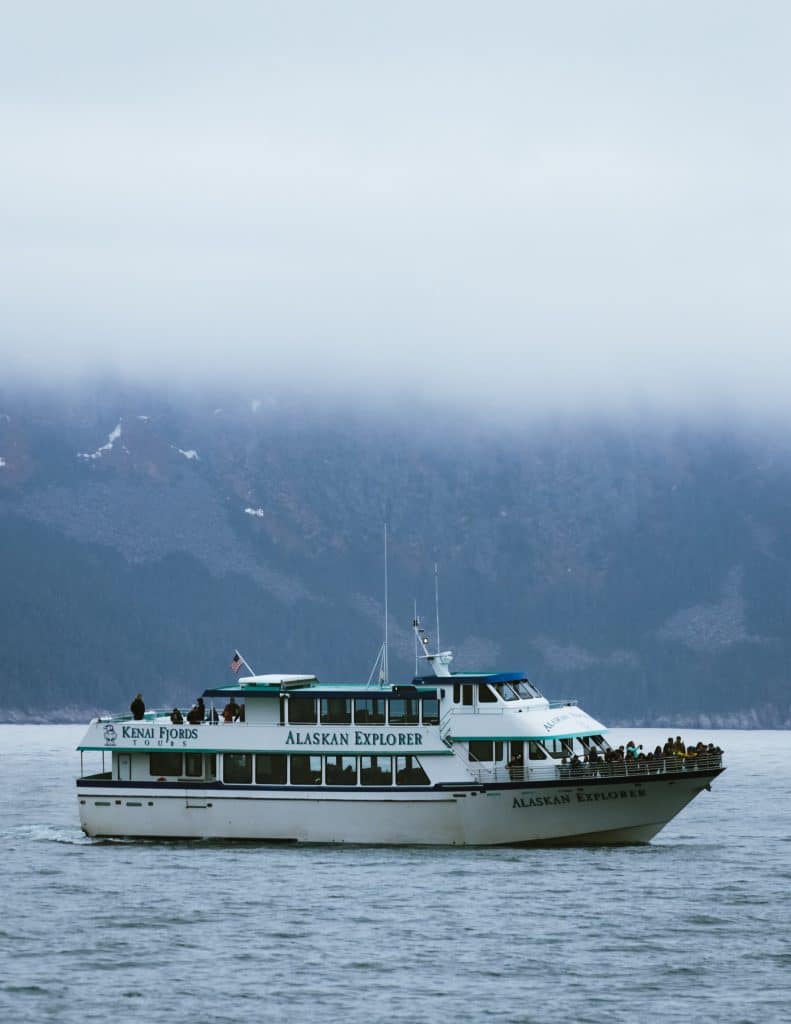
[[450, 759]]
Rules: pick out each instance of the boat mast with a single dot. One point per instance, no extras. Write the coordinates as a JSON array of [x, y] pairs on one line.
[[436, 602], [417, 645], [385, 659]]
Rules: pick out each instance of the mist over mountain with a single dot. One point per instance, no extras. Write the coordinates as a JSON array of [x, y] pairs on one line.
[[643, 569]]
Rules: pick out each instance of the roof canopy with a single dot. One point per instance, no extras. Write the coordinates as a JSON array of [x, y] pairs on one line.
[[478, 678]]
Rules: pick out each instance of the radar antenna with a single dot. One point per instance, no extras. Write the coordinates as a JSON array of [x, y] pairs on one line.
[[440, 660]]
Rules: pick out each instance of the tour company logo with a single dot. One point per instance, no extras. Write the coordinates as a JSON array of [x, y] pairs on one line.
[[109, 733]]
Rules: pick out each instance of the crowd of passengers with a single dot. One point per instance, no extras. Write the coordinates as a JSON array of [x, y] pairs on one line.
[[673, 756]]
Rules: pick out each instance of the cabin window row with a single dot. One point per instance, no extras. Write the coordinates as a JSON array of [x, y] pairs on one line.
[[495, 750], [327, 769], [465, 693], [182, 765], [366, 711]]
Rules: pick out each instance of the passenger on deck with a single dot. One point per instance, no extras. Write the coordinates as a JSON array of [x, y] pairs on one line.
[[516, 768], [632, 750], [176, 717], [201, 708], [138, 708], [194, 715], [230, 713]]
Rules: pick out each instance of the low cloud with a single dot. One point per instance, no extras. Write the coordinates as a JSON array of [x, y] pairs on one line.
[[548, 209]]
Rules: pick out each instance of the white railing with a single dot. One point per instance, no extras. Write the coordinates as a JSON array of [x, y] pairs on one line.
[[162, 715], [631, 769]]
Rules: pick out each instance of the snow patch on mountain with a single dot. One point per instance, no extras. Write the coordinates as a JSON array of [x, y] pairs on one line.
[[572, 658], [2, 462], [190, 453], [112, 437], [259, 512], [707, 628]]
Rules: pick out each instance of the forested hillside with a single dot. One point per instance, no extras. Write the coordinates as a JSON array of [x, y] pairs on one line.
[[143, 537]]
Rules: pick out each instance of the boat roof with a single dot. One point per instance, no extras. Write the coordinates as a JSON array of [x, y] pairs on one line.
[[481, 678], [275, 684], [310, 686]]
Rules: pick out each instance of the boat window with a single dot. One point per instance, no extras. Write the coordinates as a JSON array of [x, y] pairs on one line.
[[558, 748], [404, 711], [340, 770], [305, 770], [164, 763], [466, 694], [409, 772], [193, 765], [507, 692], [535, 751], [336, 710], [456, 693], [301, 710], [237, 768], [481, 750], [211, 764], [270, 769], [376, 771], [486, 695], [486, 750], [430, 711], [369, 711], [526, 689]]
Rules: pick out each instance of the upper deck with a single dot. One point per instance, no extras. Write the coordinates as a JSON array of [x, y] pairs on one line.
[[299, 712]]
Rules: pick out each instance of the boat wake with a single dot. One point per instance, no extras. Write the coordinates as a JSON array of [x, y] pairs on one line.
[[40, 833]]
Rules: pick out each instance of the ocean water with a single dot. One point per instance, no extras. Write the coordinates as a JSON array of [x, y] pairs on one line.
[[693, 927]]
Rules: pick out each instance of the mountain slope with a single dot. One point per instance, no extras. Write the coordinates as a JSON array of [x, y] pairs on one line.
[[143, 537]]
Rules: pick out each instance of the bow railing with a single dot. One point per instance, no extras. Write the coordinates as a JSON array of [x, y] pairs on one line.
[[674, 764]]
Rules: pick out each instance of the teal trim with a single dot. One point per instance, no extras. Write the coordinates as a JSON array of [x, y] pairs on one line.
[[355, 752], [543, 736]]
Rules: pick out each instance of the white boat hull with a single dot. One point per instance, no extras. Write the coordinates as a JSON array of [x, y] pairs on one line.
[[601, 812]]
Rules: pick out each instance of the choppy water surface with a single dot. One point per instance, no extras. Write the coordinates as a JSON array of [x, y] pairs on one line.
[[695, 926]]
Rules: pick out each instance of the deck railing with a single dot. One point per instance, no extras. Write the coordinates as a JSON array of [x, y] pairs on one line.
[[675, 764]]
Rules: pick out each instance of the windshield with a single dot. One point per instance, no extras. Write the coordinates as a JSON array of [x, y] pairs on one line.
[[526, 690], [505, 690]]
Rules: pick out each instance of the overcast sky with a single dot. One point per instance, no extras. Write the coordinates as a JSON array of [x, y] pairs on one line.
[[566, 205]]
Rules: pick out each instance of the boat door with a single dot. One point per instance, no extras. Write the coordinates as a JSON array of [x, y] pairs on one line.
[[125, 767]]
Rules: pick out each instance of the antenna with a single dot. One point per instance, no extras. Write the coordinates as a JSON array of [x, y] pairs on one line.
[[417, 645], [385, 659], [436, 602], [382, 661]]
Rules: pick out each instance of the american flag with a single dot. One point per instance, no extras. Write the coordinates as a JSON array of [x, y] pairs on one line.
[[236, 663]]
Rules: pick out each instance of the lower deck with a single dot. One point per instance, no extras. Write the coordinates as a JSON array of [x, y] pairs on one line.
[[597, 810]]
